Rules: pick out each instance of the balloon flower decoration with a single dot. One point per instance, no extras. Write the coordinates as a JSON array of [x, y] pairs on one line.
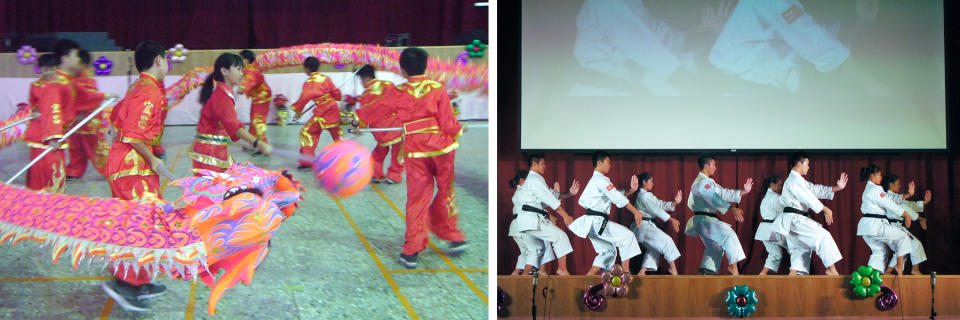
[[616, 283], [178, 53], [102, 66], [593, 298], [476, 49], [741, 301], [887, 299], [865, 281], [27, 55]]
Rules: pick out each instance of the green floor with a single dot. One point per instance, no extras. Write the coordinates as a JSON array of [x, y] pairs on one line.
[[329, 261]]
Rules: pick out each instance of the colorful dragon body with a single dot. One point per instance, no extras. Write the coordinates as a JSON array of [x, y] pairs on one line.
[[225, 223]]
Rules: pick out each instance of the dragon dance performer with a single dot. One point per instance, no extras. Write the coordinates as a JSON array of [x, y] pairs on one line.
[[131, 165], [376, 110], [84, 142], [49, 96], [326, 115], [255, 87], [430, 137], [218, 118]]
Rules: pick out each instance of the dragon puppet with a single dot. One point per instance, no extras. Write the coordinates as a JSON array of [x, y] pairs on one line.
[[223, 221]]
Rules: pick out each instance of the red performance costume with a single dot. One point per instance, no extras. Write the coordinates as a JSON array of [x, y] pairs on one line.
[[88, 139], [54, 101], [430, 137], [378, 109], [326, 116], [138, 118], [256, 88], [218, 123]]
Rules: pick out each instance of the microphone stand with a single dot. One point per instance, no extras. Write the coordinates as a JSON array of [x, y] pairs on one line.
[[536, 275], [933, 283]]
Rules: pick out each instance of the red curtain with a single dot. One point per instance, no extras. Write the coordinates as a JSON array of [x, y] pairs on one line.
[[247, 23]]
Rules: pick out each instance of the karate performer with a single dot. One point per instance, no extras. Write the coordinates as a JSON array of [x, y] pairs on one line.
[[534, 221], [255, 87], [131, 165], [49, 96], [655, 241], [218, 122], [326, 115], [607, 237], [375, 111], [770, 209], [430, 138], [891, 185], [706, 198], [84, 142], [876, 230], [803, 234], [529, 246]]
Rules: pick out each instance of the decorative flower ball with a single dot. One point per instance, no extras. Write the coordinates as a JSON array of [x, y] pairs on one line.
[[343, 168], [616, 283], [741, 301], [102, 66], [865, 281], [178, 53], [27, 55], [476, 48]]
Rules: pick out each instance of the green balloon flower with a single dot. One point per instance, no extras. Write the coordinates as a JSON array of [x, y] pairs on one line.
[[741, 301], [865, 281], [475, 49]]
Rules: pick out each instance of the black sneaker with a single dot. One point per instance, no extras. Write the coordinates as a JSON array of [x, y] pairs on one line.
[[72, 178], [376, 180], [162, 156], [304, 168], [124, 294], [457, 247], [389, 181], [706, 272], [408, 261], [151, 290]]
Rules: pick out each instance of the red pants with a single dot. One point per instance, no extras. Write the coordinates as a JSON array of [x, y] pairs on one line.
[[258, 117], [440, 214], [309, 136], [83, 147], [140, 278], [48, 172], [133, 187], [211, 157], [395, 171]]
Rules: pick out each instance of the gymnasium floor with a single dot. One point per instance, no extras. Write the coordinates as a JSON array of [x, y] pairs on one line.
[[331, 260]]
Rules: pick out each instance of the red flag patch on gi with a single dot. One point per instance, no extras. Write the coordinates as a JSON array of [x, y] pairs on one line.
[[882, 194], [792, 14], [706, 186], [610, 187]]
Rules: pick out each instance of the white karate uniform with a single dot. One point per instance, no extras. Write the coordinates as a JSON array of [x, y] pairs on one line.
[[597, 195], [803, 234], [878, 232], [918, 255], [763, 40], [770, 209], [655, 241], [536, 194], [533, 251], [611, 33], [717, 236]]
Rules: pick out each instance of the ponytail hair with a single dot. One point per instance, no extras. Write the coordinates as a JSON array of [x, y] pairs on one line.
[[770, 180], [888, 180], [521, 175], [865, 172], [225, 60]]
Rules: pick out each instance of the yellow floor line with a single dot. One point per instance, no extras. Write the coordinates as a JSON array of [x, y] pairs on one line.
[[383, 269], [434, 270], [172, 166], [437, 250], [106, 309], [188, 314], [53, 279]]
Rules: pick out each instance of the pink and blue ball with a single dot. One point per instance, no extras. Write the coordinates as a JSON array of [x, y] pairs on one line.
[[343, 168]]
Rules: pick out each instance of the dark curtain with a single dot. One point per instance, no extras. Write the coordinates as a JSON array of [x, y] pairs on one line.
[[247, 24], [937, 171]]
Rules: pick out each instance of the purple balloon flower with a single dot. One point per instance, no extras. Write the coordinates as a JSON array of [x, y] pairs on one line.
[[593, 299], [102, 66], [339, 65], [462, 58], [27, 55], [887, 298], [36, 69]]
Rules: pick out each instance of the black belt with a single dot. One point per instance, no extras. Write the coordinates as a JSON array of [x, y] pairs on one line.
[[647, 219], [535, 210], [900, 221], [797, 211], [875, 216], [709, 214], [599, 214], [765, 220]]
